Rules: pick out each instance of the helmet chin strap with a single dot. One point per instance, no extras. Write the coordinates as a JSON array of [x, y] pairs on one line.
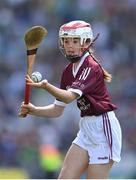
[[73, 58], [76, 58]]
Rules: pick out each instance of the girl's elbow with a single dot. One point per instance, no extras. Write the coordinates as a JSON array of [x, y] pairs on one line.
[[67, 101], [58, 114]]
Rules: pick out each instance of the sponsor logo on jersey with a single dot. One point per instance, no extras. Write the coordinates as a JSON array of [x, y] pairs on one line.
[[83, 105]]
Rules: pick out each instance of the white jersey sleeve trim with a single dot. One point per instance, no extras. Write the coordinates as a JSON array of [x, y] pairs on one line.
[[59, 103], [77, 91]]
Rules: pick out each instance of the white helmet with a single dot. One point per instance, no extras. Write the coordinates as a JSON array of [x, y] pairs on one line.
[[80, 29]]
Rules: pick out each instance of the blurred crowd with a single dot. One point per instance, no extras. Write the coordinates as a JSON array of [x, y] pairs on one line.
[[25, 143]]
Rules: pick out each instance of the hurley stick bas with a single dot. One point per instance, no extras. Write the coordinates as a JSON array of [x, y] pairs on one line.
[[33, 37]]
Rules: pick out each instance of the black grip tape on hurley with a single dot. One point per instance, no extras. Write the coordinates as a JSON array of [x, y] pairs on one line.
[[32, 51]]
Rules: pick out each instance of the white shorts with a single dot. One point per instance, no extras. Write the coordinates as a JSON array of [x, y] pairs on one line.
[[101, 137]]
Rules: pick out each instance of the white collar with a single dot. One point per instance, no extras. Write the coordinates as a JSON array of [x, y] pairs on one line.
[[75, 71]]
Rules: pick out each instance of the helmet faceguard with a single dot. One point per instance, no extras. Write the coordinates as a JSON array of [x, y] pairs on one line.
[[75, 29]]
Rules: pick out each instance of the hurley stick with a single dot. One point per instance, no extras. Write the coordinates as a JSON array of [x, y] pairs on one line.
[[33, 37]]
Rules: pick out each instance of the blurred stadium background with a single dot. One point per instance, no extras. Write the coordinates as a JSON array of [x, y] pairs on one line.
[[34, 147]]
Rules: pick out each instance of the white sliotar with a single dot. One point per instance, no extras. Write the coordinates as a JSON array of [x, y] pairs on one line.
[[36, 76]]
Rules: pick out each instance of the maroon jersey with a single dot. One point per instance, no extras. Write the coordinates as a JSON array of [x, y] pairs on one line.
[[89, 83]]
